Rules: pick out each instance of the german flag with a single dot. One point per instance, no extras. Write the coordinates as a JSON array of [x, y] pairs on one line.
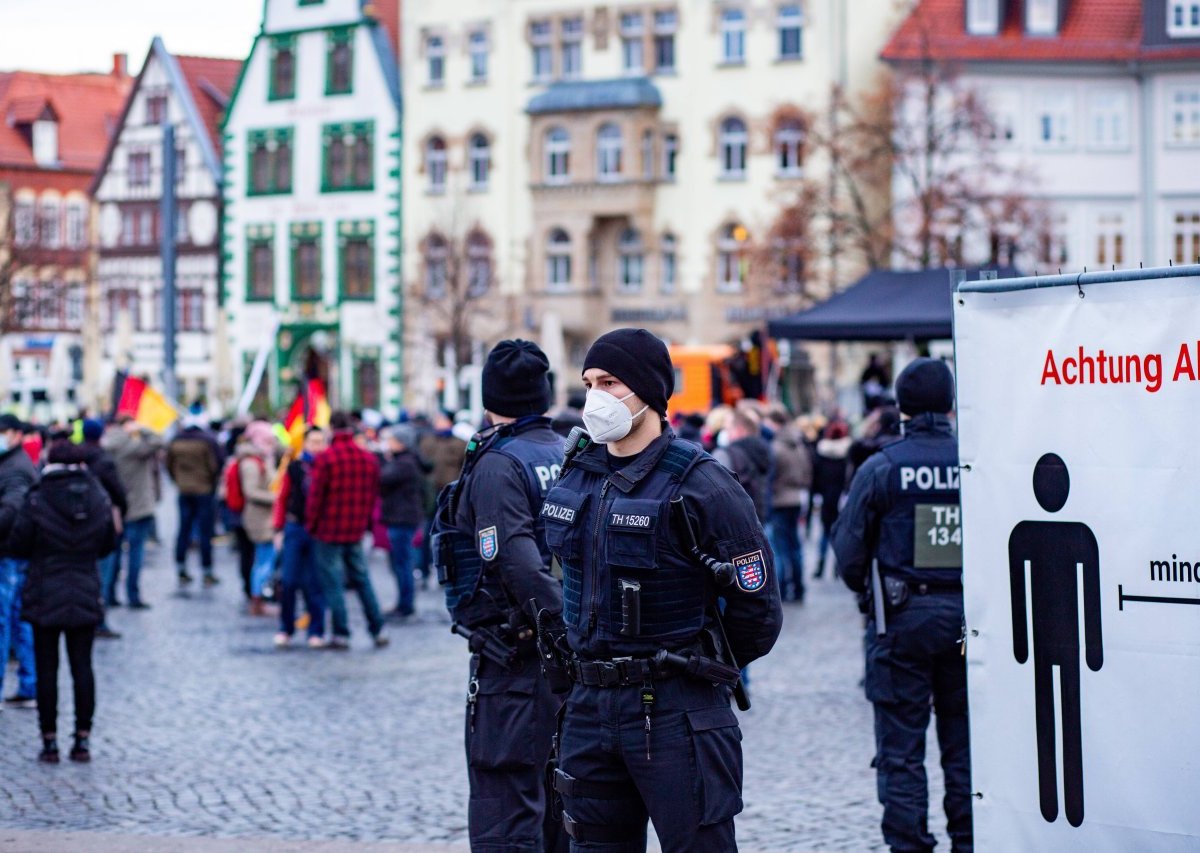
[[133, 397], [311, 408]]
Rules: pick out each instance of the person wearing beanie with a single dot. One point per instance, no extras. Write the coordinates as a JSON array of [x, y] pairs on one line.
[[491, 524], [629, 515], [902, 514]]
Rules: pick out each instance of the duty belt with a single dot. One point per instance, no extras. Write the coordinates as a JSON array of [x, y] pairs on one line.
[[618, 672], [935, 588]]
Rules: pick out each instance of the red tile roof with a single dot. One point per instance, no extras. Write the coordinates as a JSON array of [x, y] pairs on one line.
[[210, 81], [387, 12], [87, 106], [1094, 31]]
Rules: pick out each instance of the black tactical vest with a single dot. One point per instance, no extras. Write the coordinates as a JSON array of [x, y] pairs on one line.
[[606, 539], [920, 534]]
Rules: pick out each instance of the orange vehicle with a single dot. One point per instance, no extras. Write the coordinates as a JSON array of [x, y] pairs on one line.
[[699, 383]]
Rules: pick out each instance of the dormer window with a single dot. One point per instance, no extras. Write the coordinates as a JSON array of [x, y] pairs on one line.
[[983, 17], [1183, 18], [1041, 17], [45, 142]]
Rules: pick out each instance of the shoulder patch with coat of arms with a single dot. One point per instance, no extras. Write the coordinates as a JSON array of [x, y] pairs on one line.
[[489, 543], [751, 571]]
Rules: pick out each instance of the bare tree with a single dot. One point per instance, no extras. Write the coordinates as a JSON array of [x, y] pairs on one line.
[[26, 304], [915, 173], [456, 282]]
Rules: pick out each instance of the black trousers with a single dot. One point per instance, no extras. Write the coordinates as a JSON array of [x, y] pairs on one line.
[[510, 729], [918, 666], [245, 550], [79, 656]]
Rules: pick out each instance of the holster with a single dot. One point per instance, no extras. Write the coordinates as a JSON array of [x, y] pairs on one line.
[[895, 594]]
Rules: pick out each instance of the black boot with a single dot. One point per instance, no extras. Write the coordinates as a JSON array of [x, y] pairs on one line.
[[79, 752], [49, 753]]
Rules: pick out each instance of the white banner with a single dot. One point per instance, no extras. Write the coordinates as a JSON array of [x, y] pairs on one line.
[[1079, 430]]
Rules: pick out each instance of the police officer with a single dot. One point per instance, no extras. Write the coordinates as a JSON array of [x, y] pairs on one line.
[[648, 730], [903, 513], [498, 564]]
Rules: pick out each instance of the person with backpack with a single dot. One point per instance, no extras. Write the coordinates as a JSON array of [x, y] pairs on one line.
[[748, 456], [64, 526], [194, 464], [492, 521], [250, 487]]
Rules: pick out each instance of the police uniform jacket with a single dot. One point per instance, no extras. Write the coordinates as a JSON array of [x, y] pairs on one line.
[[499, 509], [607, 525], [903, 509]]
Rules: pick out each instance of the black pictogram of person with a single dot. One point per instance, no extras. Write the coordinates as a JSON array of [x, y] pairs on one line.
[[1057, 553]]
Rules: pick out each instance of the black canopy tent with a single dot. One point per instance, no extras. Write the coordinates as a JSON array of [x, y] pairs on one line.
[[884, 305]]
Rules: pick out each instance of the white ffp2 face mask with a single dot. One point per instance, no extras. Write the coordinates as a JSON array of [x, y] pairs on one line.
[[606, 417]]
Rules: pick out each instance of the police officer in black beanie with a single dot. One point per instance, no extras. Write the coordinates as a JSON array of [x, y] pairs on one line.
[[490, 549], [903, 513], [648, 730]]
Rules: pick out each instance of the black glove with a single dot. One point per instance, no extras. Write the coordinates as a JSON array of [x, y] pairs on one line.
[[553, 649]]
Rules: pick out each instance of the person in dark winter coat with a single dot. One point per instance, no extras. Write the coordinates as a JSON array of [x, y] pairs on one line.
[[17, 475], [749, 456], [400, 488], [299, 570], [102, 466], [830, 474], [65, 525]]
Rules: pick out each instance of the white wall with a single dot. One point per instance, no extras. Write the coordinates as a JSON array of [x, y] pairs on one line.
[[369, 324]]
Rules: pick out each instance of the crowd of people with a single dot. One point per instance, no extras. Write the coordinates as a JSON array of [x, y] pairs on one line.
[[296, 518]]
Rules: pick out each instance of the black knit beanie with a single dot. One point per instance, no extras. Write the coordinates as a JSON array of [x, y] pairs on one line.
[[515, 380], [640, 360], [926, 385]]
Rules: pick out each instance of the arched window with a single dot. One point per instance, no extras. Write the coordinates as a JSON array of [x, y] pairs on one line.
[[479, 152], [558, 156], [479, 263], [608, 152], [436, 261], [733, 148], [558, 260], [789, 148], [730, 248], [670, 263], [435, 164], [632, 262]]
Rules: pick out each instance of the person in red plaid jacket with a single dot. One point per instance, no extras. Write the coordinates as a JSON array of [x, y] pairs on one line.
[[341, 498]]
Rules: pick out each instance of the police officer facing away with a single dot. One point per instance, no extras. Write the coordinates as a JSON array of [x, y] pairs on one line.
[[494, 560], [648, 729], [903, 512]]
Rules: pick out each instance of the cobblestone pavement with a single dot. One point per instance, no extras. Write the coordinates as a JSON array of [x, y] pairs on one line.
[[204, 730]]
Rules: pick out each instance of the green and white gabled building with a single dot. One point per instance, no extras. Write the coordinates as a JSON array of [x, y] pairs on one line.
[[312, 204]]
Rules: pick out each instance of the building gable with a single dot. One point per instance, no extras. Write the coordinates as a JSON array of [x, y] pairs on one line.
[[206, 78]]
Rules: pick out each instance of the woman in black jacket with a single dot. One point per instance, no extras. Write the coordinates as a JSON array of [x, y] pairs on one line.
[[65, 525]]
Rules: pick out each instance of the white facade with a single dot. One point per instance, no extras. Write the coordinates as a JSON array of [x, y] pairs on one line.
[[128, 193], [310, 213], [1103, 149], [472, 70], [1105, 130]]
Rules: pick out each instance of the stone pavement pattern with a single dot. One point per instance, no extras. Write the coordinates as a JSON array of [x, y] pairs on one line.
[[204, 730]]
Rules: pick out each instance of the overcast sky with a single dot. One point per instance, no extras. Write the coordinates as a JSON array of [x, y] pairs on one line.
[[82, 35]]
